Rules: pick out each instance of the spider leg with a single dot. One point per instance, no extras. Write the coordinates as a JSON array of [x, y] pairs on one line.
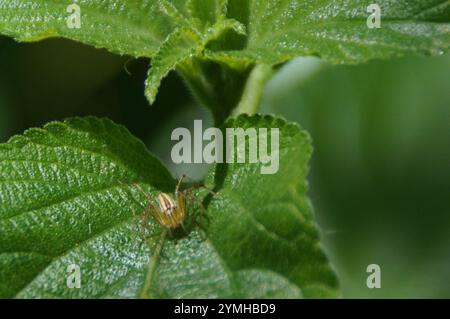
[[194, 184], [150, 210], [180, 181], [197, 185], [140, 189], [210, 191]]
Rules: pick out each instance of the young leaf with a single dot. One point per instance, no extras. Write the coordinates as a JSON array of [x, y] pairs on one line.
[[206, 13], [188, 42], [68, 201], [179, 46]]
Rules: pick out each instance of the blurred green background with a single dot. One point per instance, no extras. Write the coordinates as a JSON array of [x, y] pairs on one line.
[[380, 177]]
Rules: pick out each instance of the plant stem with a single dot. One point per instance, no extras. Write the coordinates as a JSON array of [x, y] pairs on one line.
[[251, 98], [145, 292]]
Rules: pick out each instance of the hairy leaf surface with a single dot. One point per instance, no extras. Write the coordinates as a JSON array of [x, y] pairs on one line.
[[68, 199]]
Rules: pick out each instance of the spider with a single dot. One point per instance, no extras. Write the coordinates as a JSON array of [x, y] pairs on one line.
[[170, 212]]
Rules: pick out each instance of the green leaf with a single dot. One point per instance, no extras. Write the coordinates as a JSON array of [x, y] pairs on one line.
[[188, 42], [206, 13], [235, 34], [263, 223], [68, 198], [63, 201], [178, 47], [337, 31], [136, 28]]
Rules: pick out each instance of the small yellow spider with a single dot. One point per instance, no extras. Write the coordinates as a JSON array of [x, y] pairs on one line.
[[169, 212]]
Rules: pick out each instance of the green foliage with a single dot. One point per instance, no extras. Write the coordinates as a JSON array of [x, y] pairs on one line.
[[126, 27], [265, 221], [62, 195], [67, 194], [178, 47], [336, 30], [67, 198], [236, 33]]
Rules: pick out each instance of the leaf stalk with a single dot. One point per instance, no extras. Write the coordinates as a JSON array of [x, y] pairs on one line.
[[250, 102]]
